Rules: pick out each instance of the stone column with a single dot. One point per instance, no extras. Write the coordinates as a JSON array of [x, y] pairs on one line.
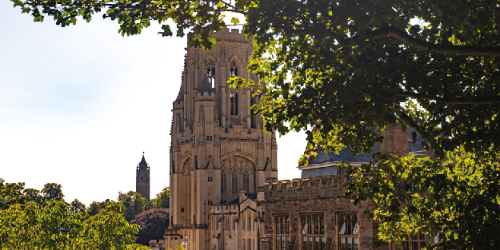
[[223, 105], [237, 234], [248, 112]]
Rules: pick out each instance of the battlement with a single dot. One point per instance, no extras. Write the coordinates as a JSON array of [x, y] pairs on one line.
[[331, 186], [178, 105], [205, 95], [230, 35], [224, 209]]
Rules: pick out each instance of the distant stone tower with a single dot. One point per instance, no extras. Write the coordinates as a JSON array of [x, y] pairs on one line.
[[142, 178]]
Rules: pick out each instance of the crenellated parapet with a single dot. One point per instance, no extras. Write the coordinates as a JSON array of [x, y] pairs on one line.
[[230, 35], [224, 209], [207, 95], [178, 105], [331, 186]]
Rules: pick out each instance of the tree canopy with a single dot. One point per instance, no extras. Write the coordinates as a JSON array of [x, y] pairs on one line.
[[352, 68], [55, 224], [132, 204], [152, 224], [162, 199]]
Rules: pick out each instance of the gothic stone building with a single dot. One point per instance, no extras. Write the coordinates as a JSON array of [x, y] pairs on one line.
[[223, 170], [218, 148]]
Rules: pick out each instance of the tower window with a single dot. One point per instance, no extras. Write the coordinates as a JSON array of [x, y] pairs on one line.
[[233, 71], [223, 183], [246, 182], [211, 73], [235, 183], [234, 103]]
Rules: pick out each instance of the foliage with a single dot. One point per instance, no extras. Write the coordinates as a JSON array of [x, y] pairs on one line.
[[33, 195], [152, 224], [11, 193], [95, 207], [76, 206], [54, 226], [29, 220], [350, 69], [132, 204], [162, 199], [109, 229], [52, 191], [179, 247], [458, 198]]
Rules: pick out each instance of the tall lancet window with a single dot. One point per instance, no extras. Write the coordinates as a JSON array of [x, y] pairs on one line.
[[235, 182], [246, 182], [234, 103], [223, 182], [211, 73], [233, 70]]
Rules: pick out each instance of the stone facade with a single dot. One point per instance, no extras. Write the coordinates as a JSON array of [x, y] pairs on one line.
[[218, 148], [312, 209], [142, 180]]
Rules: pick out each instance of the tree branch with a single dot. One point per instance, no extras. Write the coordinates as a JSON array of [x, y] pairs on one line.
[[480, 100], [405, 119], [390, 31]]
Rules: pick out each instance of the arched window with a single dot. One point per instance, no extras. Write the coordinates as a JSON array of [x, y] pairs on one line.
[[234, 103], [211, 73], [235, 183], [246, 182], [233, 71], [223, 183]]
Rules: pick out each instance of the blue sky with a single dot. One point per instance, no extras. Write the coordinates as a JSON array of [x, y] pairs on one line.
[[79, 105]]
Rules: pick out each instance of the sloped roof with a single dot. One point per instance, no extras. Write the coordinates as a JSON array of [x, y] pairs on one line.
[[346, 155], [416, 146]]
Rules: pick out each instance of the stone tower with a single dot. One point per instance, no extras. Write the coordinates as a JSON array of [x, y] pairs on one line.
[[218, 147], [142, 179]]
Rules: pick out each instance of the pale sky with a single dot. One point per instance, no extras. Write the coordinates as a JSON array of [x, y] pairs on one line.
[[79, 105]]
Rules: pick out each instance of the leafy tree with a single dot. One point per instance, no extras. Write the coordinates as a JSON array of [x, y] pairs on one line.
[[162, 199], [33, 195], [132, 204], [109, 229], [54, 226], [52, 191], [77, 206], [152, 224], [11, 193], [95, 207], [353, 68]]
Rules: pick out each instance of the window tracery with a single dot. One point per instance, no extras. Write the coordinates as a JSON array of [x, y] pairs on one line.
[[233, 70], [233, 97], [223, 182], [348, 231], [246, 182], [210, 69], [313, 232], [235, 182]]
